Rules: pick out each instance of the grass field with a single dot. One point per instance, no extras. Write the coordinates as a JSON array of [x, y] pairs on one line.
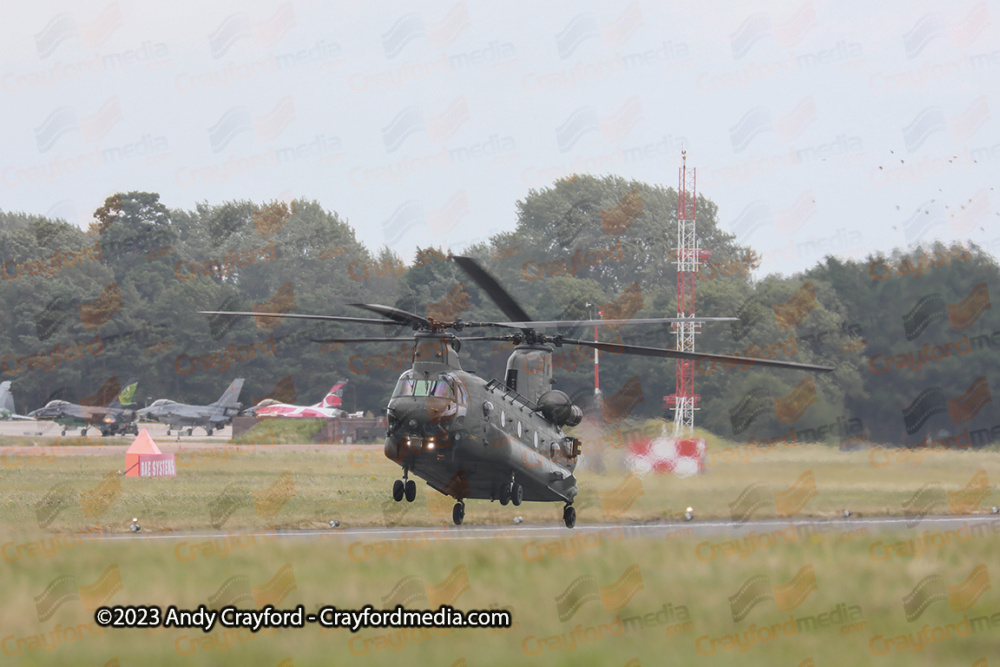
[[249, 487], [657, 602], [779, 598]]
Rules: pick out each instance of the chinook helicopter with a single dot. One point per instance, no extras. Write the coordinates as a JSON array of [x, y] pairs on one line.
[[472, 438]]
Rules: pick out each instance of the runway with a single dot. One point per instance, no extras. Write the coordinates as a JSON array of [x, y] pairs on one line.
[[791, 530]]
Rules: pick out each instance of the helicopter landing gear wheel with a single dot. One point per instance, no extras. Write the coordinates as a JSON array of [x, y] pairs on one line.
[[398, 490], [569, 516], [168, 431], [505, 494], [411, 490], [208, 431], [458, 513], [516, 494], [191, 431], [64, 432]]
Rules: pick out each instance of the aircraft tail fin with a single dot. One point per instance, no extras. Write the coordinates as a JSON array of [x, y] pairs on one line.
[[230, 397], [127, 395], [334, 397], [6, 398]]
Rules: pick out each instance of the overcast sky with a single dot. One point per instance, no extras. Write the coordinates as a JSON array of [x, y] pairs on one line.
[[817, 127]]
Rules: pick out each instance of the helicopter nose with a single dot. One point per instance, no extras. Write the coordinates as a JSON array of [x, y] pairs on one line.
[[421, 418]]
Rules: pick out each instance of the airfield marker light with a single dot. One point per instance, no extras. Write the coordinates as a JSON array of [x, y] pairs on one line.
[[518, 519], [847, 514], [134, 526], [689, 514], [334, 523], [996, 510]]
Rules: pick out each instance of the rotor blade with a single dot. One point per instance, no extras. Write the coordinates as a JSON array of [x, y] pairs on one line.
[[408, 339], [299, 316], [542, 324], [488, 283], [618, 348], [400, 316], [506, 339]]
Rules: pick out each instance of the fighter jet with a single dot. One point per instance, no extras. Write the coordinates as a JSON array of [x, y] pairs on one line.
[[328, 407], [7, 411], [209, 417], [117, 417]]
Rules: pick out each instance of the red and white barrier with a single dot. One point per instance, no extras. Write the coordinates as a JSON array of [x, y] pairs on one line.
[[681, 457]]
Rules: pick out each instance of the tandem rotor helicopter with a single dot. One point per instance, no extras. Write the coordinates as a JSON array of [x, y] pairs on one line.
[[472, 438]]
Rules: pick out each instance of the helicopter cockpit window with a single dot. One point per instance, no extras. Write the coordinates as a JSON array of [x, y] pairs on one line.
[[405, 386], [438, 388], [461, 393]]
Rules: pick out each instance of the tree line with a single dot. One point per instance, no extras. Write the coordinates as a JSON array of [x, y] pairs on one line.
[[911, 333]]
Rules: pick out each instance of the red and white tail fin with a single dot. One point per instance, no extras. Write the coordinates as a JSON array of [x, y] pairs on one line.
[[333, 398]]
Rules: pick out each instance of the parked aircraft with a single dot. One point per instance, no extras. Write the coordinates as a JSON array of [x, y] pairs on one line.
[[117, 417], [210, 417], [7, 411], [327, 408]]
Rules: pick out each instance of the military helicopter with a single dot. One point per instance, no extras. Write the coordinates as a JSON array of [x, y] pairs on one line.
[[472, 438]]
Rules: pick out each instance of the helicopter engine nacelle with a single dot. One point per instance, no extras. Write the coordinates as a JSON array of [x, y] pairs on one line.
[[558, 408]]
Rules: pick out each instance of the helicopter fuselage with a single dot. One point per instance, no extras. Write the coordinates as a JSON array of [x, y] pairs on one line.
[[468, 437]]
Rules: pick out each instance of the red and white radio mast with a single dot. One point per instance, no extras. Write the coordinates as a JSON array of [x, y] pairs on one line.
[[689, 255]]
